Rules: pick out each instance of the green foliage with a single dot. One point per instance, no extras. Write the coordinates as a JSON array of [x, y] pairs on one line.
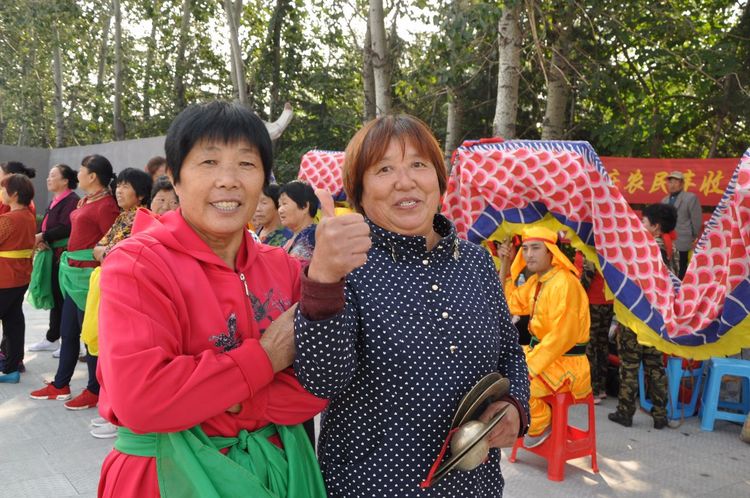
[[664, 79]]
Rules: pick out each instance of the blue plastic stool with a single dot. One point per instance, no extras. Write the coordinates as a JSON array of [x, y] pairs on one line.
[[675, 376], [712, 409]]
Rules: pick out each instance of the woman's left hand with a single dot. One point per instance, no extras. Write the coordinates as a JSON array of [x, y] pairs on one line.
[[99, 252], [505, 433]]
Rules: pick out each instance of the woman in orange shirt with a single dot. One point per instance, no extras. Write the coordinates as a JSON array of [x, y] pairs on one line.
[[17, 230]]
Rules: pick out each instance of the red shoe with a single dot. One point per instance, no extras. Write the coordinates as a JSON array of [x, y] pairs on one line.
[[51, 392], [85, 400]]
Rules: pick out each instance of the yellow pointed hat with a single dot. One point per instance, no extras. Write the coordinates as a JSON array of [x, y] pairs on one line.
[[550, 241]]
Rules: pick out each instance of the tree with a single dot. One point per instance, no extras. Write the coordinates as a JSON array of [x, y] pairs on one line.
[[238, 68], [509, 60], [380, 59], [368, 77], [119, 125], [180, 64], [152, 12], [58, 100], [558, 76]]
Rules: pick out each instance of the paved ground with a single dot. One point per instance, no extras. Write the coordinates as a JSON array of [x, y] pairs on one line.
[[46, 450]]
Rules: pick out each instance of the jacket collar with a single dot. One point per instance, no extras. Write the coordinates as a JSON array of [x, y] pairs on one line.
[[174, 232], [416, 245]]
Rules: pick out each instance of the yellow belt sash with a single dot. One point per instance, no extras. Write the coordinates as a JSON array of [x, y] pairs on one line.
[[17, 254]]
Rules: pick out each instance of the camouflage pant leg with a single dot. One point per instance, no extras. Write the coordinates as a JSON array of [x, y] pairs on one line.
[[656, 380], [597, 350], [630, 358]]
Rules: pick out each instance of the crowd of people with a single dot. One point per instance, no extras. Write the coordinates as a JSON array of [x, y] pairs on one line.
[[218, 312]]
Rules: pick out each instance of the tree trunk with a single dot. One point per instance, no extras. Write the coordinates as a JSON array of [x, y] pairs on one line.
[[58, 99], [155, 15], [107, 20], [368, 77], [558, 85], [277, 21], [236, 53], [453, 125], [380, 62], [180, 64], [657, 137], [509, 72], [21, 136], [119, 126], [3, 125], [232, 72]]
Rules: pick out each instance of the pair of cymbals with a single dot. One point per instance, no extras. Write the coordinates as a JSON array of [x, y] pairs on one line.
[[489, 389]]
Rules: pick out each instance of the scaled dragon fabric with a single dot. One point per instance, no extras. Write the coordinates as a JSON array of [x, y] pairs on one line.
[[498, 187]]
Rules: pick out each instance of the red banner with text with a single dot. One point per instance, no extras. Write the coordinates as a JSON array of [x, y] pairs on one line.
[[643, 181]]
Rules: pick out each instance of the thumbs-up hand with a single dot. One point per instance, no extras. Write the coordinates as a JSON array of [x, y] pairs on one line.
[[341, 242]]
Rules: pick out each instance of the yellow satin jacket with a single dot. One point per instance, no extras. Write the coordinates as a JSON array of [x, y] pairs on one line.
[[559, 319]]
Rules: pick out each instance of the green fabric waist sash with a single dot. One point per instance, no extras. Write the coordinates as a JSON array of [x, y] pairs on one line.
[[40, 287], [578, 350], [189, 463], [74, 281]]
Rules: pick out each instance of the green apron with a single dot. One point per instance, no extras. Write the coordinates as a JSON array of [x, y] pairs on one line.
[[189, 463], [40, 287], [74, 281]]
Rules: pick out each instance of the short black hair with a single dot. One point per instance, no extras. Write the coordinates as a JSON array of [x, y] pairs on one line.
[[69, 174], [18, 183], [12, 167], [273, 191], [301, 193], [139, 180], [101, 167], [162, 184], [216, 121], [663, 215]]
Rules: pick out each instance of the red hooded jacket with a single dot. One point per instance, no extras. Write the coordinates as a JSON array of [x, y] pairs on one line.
[[179, 342]]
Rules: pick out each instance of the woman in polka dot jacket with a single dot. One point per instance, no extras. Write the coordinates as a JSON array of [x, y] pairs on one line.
[[398, 319]]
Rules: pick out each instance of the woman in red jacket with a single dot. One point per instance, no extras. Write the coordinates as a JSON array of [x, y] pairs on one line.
[[17, 227], [88, 223], [195, 332]]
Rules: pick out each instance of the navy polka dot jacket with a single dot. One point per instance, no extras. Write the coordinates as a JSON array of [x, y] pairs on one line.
[[418, 331]]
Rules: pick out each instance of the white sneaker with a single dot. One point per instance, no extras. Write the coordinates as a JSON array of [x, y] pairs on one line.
[[104, 432], [56, 354], [44, 345], [99, 421]]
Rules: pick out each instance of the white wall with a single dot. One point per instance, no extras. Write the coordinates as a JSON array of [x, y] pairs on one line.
[[124, 154]]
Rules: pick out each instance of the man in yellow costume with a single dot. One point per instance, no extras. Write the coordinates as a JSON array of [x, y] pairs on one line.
[[559, 322]]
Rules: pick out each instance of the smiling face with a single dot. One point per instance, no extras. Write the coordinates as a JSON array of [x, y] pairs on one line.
[[401, 193], [55, 181], [538, 257], [219, 188], [292, 216], [126, 196]]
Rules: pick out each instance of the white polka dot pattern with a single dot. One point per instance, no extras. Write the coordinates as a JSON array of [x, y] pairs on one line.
[[419, 329]]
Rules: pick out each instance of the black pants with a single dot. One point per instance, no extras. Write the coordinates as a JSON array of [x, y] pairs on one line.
[[309, 426], [55, 314], [70, 332], [14, 325], [683, 264]]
